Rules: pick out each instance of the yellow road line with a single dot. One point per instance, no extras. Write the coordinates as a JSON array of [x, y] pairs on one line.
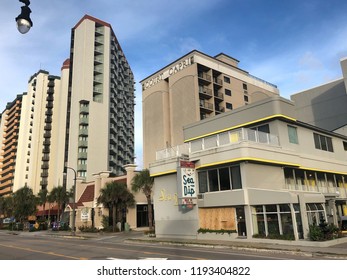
[[41, 252]]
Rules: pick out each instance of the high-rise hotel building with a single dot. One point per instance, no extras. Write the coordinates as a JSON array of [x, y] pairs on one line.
[[100, 115], [28, 148], [83, 120], [194, 87], [9, 129]]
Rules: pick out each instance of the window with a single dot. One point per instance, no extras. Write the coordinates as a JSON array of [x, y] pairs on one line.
[[262, 128], [244, 86], [293, 135], [308, 180], [224, 179], [228, 92], [220, 179], [322, 142], [274, 219], [259, 133], [245, 98], [226, 79], [315, 213], [345, 145], [213, 180], [203, 186], [229, 106], [236, 177]]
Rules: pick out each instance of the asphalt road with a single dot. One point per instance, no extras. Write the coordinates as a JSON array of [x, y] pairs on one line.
[[30, 246]]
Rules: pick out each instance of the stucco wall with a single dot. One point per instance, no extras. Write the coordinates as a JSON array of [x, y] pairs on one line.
[[170, 220]]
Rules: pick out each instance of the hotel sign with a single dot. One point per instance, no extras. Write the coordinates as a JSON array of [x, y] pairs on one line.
[[168, 72], [187, 179]]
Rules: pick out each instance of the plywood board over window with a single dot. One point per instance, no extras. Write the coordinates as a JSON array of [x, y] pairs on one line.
[[217, 218]]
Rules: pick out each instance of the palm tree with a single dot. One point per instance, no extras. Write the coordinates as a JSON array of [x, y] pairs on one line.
[[115, 196], [42, 199], [50, 199], [7, 206], [142, 181], [60, 196], [24, 203]]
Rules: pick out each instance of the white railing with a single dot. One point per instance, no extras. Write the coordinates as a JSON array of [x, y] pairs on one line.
[[226, 138], [172, 152], [233, 137]]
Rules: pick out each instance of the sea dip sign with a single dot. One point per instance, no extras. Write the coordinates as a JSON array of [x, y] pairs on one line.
[[187, 179]]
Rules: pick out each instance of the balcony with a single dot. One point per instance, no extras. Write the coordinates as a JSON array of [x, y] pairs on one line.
[[81, 167], [219, 109], [229, 138], [83, 131], [99, 31], [82, 155], [99, 40], [97, 90], [205, 92], [84, 119], [82, 143], [98, 59], [206, 107], [98, 70], [204, 78], [98, 79], [47, 134], [99, 50], [84, 109], [217, 81], [218, 96]]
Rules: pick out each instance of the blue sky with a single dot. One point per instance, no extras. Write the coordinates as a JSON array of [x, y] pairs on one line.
[[293, 44]]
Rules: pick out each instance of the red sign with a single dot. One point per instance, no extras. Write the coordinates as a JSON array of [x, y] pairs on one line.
[[187, 164]]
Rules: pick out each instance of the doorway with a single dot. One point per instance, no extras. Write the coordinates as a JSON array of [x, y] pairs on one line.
[[241, 221]]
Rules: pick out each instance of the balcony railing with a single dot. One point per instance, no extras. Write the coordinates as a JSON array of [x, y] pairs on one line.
[[232, 137]]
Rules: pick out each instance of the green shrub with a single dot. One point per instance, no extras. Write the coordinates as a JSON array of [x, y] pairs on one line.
[[275, 236], [315, 233], [220, 231], [88, 229], [323, 231]]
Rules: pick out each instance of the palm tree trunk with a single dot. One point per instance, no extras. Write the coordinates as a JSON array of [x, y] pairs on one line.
[[114, 213], [58, 217], [44, 208], [150, 212]]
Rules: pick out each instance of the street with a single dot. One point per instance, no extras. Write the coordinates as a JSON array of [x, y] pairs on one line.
[[31, 246]]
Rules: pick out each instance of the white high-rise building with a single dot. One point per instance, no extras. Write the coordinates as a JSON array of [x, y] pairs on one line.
[[100, 114], [37, 149]]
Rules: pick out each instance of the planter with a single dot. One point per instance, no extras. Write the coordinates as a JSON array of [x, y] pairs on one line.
[[217, 236]]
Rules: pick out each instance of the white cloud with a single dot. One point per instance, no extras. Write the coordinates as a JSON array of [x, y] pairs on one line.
[[310, 61]]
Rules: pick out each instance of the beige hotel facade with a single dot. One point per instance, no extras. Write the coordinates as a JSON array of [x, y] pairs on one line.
[[194, 87]]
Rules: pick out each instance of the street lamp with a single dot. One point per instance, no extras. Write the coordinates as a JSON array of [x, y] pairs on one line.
[[73, 199], [24, 22]]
